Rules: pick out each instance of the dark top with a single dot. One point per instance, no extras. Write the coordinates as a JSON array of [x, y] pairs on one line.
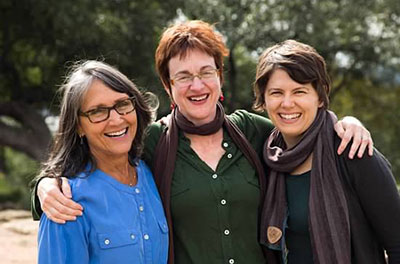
[[374, 209], [215, 213], [297, 233]]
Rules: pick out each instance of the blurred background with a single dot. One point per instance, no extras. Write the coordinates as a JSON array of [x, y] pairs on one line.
[[39, 40]]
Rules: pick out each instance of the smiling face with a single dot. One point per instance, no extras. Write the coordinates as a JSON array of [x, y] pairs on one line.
[[197, 101], [291, 106], [114, 136]]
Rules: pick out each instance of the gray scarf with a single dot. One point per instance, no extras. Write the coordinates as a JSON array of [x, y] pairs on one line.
[[328, 212]]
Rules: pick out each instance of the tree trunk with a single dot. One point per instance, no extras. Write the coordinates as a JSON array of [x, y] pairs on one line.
[[26, 131], [232, 76]]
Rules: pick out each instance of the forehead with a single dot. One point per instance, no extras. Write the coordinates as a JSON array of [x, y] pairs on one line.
[[192, 62], [280, 79], [100, 94]]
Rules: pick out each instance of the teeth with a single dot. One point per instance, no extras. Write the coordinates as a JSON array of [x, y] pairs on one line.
[[198, 98], [117, 133], [292, 116]]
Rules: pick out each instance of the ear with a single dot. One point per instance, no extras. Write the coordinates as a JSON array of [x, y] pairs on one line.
[[79, 131], [321, 104]]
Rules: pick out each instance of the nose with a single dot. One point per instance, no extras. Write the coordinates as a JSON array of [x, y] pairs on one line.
[[197, 83], [114, 116], [287, 101]]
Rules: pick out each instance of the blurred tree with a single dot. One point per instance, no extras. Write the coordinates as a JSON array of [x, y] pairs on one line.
[[359, 40], [354, 36], [38, 39]]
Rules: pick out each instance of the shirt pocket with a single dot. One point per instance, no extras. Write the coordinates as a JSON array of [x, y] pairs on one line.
[[163, 242], [118, 238]]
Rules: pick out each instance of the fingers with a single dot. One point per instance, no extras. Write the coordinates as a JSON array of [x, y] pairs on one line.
[[65, 188], [340, 132], [346, 137], [361, 141], [54, 204], [366, 142]]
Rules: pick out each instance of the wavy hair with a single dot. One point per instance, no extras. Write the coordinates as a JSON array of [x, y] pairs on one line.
[[68, 156]]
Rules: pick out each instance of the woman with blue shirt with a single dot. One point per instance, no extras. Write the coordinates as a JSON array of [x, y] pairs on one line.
[[98, 145]]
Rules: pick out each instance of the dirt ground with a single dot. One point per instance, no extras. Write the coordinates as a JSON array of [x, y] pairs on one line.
[[18, 234]]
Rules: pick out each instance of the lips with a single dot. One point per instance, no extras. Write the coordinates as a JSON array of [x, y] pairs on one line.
[[119, 133]]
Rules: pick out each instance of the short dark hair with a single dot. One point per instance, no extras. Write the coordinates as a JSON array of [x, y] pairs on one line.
[[67, 155], [303, 64]]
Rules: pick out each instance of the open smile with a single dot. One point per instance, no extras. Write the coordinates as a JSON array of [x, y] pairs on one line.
[[289, 116], [198, 98], [119, 133]]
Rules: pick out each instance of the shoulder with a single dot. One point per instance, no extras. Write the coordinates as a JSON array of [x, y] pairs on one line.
[[366, 161], [85, 185], [366, 171], [242, 117], [255, 127], [153, 134]]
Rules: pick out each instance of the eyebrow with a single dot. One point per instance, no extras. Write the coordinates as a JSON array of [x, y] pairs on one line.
[[201, 69], [105, 106]]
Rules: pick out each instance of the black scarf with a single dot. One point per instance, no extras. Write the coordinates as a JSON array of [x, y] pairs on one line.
[[328, 212]]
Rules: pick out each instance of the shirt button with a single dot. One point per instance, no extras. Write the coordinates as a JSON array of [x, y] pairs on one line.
[[223, 201], [229, 156], [226, 232], [231, 261], [225, 144], [132, 236], [137, 190], [214, 176], [146, 237], [107, 241], [141, 208]]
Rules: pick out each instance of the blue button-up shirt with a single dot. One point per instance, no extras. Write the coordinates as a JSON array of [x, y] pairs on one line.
[[120, 224]]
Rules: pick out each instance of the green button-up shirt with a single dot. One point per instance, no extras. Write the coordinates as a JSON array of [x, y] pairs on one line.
[[215, 213]]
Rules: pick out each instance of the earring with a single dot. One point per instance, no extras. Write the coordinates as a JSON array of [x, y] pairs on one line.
[[221, 98], [81, 139], [172, 105]]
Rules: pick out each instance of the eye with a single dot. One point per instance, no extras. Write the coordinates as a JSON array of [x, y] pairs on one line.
[[183, 78], [97, 112], [300, 92], [274, 92], [208, 74]]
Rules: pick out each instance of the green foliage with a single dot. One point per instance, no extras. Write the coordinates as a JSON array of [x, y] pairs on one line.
[[40, 39], [14, 183]]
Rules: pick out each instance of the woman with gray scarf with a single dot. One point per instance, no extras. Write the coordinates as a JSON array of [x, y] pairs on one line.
[[319, 207]]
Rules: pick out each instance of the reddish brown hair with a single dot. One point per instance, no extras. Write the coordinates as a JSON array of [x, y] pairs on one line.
[[181, 38]]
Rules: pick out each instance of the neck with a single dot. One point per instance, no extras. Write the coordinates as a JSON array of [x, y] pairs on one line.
[[290, 141], [217, 136], [118, 168]]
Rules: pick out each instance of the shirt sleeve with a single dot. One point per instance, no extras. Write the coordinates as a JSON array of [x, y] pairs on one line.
[[62, 243], [375, 186], [36, 210], [153, 134]]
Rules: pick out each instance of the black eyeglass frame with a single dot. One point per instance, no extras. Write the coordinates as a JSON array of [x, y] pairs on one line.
[[115, 106]]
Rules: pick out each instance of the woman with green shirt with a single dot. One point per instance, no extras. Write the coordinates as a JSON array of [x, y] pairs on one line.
[[206, 164]]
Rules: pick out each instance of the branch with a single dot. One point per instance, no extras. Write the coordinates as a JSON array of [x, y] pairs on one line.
[[32, 138]]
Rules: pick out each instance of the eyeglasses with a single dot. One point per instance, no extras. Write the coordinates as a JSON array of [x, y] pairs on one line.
[[186, 79], [101, 114]]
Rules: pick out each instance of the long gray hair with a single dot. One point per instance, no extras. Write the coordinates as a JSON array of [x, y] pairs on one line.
[[68, 155]]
